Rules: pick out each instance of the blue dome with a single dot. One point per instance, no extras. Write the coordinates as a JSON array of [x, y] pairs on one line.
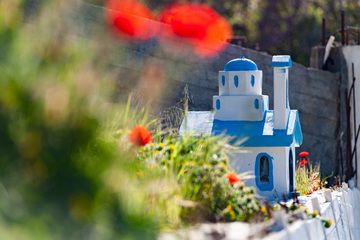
[[240, 64]]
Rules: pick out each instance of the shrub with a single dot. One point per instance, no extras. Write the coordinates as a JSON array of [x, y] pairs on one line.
[[200, 166], [63, 173], [308, 179]]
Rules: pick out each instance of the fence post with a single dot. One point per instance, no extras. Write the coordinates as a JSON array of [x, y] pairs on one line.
[[316, 206], [340, 205], [343, 27], [329, 198], [344, 195], [323, 32], [355, 130]]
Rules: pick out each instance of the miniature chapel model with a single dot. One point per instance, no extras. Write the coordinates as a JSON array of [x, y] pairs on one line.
[[266, 138]]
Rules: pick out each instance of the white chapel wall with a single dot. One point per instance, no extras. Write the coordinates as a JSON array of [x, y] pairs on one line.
[[244, 161]]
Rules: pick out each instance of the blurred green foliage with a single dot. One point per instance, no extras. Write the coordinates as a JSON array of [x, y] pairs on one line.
[[63, 172], [308, 179], [67, 169], [200, 166]]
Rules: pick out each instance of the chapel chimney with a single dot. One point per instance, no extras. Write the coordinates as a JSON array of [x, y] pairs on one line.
[[281, 64]]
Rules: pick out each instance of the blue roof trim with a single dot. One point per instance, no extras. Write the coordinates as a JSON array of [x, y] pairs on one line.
[[298, 132], [245, 133], [260, 133], [241, 64], [281, 61]]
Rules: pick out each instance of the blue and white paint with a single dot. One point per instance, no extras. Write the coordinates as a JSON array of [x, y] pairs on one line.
[[266, 139]]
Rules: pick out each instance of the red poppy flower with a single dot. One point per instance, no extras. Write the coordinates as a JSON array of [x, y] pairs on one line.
[[232, 178], [215, 39], [130, 18], [201, 25], [303, 163], [304, 154], [140, 136]]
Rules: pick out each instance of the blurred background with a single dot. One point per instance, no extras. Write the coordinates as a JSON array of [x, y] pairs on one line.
[[74, 79], [274, 26]]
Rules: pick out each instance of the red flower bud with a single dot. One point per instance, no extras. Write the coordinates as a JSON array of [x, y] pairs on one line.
[[232, 178], [303, 163], [304, 154], [202, 26], [140, 136], [130, 18]]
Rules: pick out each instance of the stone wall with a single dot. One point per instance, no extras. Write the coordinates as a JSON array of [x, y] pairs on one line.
[[314, 93]]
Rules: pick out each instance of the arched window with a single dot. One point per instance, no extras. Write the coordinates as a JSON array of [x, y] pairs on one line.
[[218, 104], [223, 80], [264, 169], [291, 171], [264, 172], [256, 103], [252, 81], [236, 81]]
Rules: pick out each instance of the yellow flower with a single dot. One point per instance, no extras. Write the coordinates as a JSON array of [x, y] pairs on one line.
[[315, 214], [263, 209], [172, 147], [231, 211], [328, 223], [276, 207]]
